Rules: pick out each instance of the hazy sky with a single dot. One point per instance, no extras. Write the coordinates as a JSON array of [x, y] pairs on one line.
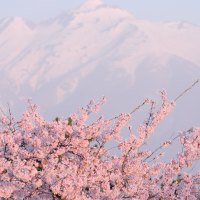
[[160, 10]]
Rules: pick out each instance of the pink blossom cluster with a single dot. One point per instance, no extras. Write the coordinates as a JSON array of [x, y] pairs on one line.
[[68, 158]]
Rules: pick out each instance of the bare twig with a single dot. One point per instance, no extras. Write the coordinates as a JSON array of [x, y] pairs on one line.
[[186, 90], [138, 107]]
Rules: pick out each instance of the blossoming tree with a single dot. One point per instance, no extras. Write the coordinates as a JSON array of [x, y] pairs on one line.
[[67, 159]]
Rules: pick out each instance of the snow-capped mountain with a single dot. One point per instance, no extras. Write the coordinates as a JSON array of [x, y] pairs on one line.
[[98, 50]]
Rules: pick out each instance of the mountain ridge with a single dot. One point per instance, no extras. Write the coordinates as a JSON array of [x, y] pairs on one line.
[[60, 57]]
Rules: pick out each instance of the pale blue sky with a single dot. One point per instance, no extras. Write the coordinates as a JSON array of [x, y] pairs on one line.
[[159, 10]]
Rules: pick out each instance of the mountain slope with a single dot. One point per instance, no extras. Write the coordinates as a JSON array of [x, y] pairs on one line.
[[92, 51]]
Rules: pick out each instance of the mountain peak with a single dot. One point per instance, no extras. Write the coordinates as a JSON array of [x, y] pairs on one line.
[[91, 4], [16, 23], [12, 20], [17, 19]]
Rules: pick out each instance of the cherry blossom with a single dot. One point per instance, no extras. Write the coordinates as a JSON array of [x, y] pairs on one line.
[[68, 158]]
